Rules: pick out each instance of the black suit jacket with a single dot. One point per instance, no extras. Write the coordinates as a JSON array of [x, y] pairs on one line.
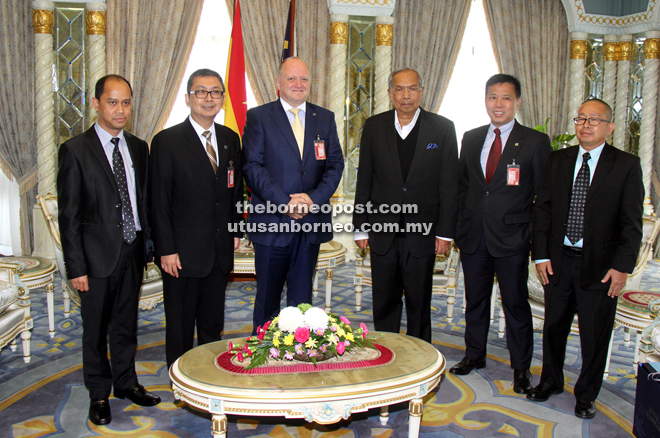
[[192, 208], [90, 205], [500, 212], [612, 214], [432, 183]]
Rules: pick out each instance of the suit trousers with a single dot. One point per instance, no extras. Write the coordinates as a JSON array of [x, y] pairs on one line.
[[190, 302], [109, 316], [395, 274], [294, 264], [479, 270], [596, 312]]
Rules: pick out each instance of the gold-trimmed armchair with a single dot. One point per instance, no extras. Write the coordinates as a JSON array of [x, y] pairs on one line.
[[15, 305]]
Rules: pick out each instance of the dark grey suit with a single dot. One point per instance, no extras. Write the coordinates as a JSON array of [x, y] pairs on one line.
[[90, 220], [494, 236]]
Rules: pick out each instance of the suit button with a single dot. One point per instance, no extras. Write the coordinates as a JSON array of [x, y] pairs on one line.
[[217, 203], [404, 189], [119, 225], [217, 230], [118, 205], [302, 173], [487, 193]]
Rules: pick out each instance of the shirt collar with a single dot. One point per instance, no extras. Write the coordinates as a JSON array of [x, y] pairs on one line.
[[105, 136], [504, 129], [287, 107], [594, 153], [412, 122], [199, 129]]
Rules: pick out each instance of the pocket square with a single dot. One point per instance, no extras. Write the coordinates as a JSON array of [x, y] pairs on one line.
[[431, 146]]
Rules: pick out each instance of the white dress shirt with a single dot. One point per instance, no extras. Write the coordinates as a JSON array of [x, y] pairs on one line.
[[214, 139], [108, 148]]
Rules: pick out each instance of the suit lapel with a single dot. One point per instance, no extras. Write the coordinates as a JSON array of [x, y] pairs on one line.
[[282, 122], [95, 145], [195, 146], [310, 133], [223, 150], [390, 144], [476, 148], [605, 163], [569, 167]]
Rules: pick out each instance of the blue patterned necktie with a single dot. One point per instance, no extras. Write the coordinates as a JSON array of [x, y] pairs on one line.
[[575, 226], [128, 222]]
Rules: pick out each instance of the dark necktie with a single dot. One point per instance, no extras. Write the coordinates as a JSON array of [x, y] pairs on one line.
[[128, 222], [494, 156], [575, 225]]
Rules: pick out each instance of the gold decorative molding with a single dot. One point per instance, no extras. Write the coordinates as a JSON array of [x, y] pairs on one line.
[[95, 22], [338, 32], [579, 49], [384, 34], [610, 51], [625, 49], [42, 20], [606, 20], [652, 48]]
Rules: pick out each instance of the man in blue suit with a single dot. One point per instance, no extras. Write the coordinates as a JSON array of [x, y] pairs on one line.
[[292, 163]]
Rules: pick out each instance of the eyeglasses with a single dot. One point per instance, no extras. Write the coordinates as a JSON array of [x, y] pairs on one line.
[[201, 94], [593, 121], [411, 90]]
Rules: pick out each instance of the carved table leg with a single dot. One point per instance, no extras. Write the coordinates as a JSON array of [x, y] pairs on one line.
[[416, 407], [315, 285], [384, 415], [219, 425], [51, 309], [328, 289]]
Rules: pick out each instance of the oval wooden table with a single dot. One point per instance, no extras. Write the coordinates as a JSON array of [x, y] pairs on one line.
[[323, 397]]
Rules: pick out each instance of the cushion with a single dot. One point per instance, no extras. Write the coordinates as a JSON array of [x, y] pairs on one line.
[[8, 295]]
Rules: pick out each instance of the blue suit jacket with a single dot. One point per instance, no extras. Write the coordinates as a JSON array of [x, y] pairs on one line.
[[273, 169]]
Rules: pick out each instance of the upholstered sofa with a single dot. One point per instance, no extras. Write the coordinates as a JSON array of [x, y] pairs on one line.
[[15, 303]]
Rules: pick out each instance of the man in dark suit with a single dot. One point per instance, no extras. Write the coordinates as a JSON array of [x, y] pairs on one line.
[[196, 191], [292, 161], [101, 184], [408, 157], [501, 166], [587, 232]]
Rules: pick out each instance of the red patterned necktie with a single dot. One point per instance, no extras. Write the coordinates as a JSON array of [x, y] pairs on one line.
[[494, 156]]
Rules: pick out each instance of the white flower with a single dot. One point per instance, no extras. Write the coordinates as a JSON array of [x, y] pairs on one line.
[[316, 318], [290, 319]]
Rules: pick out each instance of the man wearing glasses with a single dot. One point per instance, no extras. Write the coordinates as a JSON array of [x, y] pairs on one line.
[[196, 183], [407, 156], [587, 232]]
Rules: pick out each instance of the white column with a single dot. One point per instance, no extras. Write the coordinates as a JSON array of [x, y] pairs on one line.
[[44, 106], [624, 48], [338, 52], [95, 24], [579, 46], [610, 61], [649, 112], [383, 61]]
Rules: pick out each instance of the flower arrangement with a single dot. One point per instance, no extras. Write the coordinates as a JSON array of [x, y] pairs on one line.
[[303, 333]]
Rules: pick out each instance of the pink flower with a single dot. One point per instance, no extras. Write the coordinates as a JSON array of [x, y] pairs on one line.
[[345, 320], [319, 331], [347, 343], [312, 353], [365, 330], [258, 329], [274, 352], [341, 348], [231, 346], [288, 355], [267, 325], [261, 335], [302, 334], [239, 356]]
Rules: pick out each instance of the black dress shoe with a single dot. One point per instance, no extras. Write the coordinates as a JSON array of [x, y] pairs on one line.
[[138, 395], [522, 381], [586, 410], [99, 411], [466, 365], [542, 393]]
